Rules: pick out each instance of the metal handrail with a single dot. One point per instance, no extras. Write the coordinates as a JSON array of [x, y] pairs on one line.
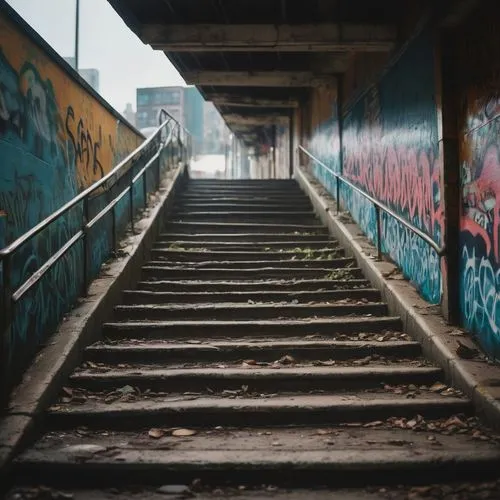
[[10, 297], [12, 247], [378, 206]]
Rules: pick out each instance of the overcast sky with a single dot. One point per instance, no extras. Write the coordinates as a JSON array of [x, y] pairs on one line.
[[106, 43]]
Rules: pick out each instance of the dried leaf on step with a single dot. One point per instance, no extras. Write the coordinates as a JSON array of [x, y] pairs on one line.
[[466, 352], [183, 432], [68, 391], [156, 433], [438, 387], [287, 360]]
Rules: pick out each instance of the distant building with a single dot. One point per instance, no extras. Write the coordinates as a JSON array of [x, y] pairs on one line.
[[129, 113], [215, 134], [185, 104], [90, 75]]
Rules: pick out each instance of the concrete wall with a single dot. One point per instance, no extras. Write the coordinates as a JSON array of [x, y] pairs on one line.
[[391, 150], [478, 50], [57, 137]]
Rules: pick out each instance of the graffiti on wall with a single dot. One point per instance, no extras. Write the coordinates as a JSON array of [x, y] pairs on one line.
[[56, 139], [480, 223], [478, 50], [391, 151]]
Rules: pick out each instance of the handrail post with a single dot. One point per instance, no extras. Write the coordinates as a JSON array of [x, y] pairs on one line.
[[5, 322], [114, 238], [179, 153], [85, 239], [340, 122], [158, 167], [379, 232], [6, 294], [145, 188], [131, 199], [337, 184], [291, 125]]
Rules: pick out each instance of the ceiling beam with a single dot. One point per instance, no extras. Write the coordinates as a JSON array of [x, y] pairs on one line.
[[252, 102], [257, 78], [338, 37], [234, 119]]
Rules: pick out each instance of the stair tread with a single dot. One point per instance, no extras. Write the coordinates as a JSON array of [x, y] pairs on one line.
[[262, 282], [235, 297], [339, 441], [340, 262], [216, 371], [239, 306], [284, 322], [303, 402], [217, 345]]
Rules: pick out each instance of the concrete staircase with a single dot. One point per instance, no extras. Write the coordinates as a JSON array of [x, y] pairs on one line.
[[254, 351]]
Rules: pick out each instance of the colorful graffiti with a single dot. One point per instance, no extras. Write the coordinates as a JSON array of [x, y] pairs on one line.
[[56, 138], [478, 50], [480, 223], [391, 151]]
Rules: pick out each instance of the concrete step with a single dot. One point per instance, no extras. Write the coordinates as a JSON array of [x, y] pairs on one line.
[[287, 327], [337, 456], [245, 241], [233, 200], [244, 311], [244, 227], [136, 297], [227, 286], [252, 214], [273, 378], [260, 183], [212, 263], [252, 190], [256, 206], [291, 409], [214, 273], [262, 351], [175, 254], [302, 218]]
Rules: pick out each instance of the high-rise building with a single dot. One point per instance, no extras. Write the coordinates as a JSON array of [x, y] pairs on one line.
[[185, 104], [90, 75], [129, 113], [215, 131]]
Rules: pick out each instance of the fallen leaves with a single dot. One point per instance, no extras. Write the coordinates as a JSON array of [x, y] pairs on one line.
[[286, 360], [438, 387], [183, 432], [157, 433], [465, 352]]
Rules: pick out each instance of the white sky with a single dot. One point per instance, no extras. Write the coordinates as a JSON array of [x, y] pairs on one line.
[[106, 43]]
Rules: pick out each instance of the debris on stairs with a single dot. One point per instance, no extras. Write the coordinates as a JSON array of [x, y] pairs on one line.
[[254, 354]]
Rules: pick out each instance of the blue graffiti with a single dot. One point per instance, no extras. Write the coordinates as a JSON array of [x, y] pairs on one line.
[[391, 151]]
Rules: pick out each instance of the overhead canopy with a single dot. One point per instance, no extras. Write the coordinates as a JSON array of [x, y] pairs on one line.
[[257, 59]]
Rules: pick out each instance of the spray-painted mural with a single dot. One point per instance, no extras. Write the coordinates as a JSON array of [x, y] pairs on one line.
[[480, 181], [56, 138], [391, 151]]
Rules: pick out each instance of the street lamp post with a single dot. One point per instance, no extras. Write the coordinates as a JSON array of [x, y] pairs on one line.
[[77, 32]]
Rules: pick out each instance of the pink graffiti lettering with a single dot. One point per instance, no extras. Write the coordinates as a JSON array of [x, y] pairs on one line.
[[401, 177]]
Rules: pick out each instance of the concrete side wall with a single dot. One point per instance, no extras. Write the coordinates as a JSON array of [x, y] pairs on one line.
[[57, 137], [478, 75], [391, 151]]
